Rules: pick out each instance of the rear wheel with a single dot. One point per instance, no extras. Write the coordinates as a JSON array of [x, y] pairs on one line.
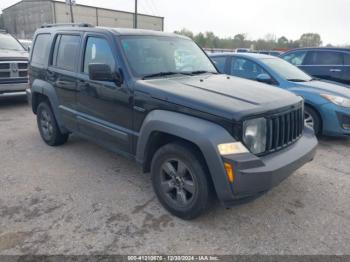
[[180, 181], [312, 119], [48, 127]]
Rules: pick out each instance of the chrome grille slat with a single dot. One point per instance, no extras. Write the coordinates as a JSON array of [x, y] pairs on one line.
[[13, 69]]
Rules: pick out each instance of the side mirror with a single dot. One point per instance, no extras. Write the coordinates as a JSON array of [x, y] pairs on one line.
[[264, 78], [103, 72]]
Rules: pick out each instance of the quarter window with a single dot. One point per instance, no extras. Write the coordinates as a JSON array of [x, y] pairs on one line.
[[39, 53], [295, 58], [97, 51], [66, 52]]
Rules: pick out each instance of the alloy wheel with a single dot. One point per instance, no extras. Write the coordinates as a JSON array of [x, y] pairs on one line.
[[177, 182]]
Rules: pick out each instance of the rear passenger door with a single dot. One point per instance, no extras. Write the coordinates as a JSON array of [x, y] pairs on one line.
[[62, 74], [324, 64], [104, 109]]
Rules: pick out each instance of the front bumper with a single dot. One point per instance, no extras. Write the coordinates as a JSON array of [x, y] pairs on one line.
[[335, 119], [13, 88], [255, 175]]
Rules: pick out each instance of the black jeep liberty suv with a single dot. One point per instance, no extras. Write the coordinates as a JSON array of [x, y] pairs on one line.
[[157, 98]]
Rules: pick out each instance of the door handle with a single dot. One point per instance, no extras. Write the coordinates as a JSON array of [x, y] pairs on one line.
[[335, 70], [83, 85]]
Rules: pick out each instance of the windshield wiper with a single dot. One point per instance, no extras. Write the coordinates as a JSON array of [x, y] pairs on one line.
[[199, 72], [164, 74], [297, 80]]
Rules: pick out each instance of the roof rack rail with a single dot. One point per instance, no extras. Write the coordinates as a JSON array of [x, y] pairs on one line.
[[67, 24]]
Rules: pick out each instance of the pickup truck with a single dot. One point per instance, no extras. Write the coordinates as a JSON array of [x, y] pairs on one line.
[[13, 65]]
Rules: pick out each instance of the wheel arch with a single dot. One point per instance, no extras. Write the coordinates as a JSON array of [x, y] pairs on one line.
[[161, 127], [43, 91]]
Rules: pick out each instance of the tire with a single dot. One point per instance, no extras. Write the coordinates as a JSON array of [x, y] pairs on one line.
[[48, 127], [180, 181], [312, 120]]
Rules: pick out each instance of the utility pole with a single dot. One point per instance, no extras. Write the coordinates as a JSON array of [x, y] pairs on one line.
[[71, 3], [135, 15]]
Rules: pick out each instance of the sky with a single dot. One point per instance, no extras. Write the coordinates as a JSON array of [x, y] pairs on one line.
[[255, 18]]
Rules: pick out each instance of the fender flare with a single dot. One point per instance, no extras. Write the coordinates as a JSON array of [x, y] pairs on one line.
[[204, 134], [43, 88]]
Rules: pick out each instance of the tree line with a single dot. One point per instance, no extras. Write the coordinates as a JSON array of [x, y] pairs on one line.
[[269, 42]]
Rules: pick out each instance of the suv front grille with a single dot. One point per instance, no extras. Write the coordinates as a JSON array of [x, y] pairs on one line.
[[285, 128], [11, 70]]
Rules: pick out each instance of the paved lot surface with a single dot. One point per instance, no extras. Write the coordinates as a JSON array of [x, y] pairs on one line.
[[82, 199]]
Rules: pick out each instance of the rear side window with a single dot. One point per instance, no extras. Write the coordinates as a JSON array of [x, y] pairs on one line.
[[324, 58], [295, 58], [66, 52], [220, 62], [346, 59], [98, 51], [40, 50]]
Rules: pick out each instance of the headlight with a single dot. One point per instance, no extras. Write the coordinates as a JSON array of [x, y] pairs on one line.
[[254, 135], [338, 100]]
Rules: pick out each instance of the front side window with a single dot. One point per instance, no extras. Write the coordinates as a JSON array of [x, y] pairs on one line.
[[325, 58], [66, 52], [220, 62], [8, 42], [39, 54], [149, 55], [245, 68], [97, 51], [295, 58]]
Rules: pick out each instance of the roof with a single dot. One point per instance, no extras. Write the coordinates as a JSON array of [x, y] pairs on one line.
[[322, 48], [101, 8], [248, 55], [115, 31]]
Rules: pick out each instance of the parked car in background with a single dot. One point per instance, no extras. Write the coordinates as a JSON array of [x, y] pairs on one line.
[[242, 50], [270, 52], [26, 43], [13, 65], [327, 105], [201, 134], [331, 64]]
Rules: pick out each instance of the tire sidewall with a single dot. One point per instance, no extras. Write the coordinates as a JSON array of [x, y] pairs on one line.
[[44, 106], [316, 118], [201, 198]]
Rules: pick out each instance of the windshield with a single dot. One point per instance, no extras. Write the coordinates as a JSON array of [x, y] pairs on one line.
[[152, 55], [287, 70], [9, 43]]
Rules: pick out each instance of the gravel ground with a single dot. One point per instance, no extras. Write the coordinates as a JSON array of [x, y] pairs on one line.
[[81, 199]]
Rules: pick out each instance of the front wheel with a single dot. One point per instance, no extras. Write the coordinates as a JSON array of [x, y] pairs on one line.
[[180, 181], [312, 119]]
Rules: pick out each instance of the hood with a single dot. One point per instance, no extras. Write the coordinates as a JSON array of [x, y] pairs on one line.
[[326, 87], [12, 54], [220, 95]]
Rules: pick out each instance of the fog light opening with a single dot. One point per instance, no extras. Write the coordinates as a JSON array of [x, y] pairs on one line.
[[229, 172]]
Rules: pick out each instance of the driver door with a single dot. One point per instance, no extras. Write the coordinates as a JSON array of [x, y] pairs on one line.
[[105, 109]]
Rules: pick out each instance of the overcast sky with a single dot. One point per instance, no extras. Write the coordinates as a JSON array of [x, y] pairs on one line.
[[256, 18]]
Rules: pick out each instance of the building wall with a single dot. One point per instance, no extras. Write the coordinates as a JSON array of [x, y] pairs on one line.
[[23, 18]]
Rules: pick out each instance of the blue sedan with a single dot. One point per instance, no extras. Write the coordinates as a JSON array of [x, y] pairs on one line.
[[327, 105]]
